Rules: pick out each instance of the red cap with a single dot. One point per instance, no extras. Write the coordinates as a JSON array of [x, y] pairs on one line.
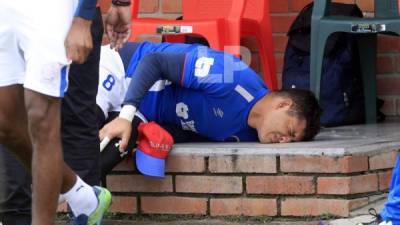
[[153, 145]]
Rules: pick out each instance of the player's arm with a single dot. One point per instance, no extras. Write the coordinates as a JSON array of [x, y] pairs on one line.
[[111, 154], [78, 43], [151, 68]]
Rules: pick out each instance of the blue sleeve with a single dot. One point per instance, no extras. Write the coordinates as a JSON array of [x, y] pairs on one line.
[[127, 52], [153, 67], [86, 9]]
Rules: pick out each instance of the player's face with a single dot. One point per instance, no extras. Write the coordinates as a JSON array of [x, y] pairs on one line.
[[281, 127]]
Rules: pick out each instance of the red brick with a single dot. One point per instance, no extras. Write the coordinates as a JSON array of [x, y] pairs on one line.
[[385, 64], [281, 23], [174, 205], [314, 207], [347, 185], [334, 185], [388, 85], [148, 6], [278, 6], [298, 5], [388, 43], [243, 207], [364, 183], [209, 184], [138, 183], [172, 6], [358, 203], [280, 185], [389, 107], [366, 5], [324, 164], [186, 164], [382, 161], [384, 180], [125, 165], [280, 42], [242, 164], [124, 204]]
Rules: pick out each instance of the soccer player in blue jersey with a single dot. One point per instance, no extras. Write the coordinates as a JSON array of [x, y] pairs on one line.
[[208, 92], [111, 92]]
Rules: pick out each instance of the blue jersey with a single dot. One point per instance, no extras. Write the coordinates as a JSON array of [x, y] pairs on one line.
[[213, 98]]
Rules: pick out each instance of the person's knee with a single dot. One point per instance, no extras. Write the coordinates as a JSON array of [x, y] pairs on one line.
[[43, 116]]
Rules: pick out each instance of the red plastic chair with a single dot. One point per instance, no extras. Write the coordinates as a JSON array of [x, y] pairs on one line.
[[222, 23]]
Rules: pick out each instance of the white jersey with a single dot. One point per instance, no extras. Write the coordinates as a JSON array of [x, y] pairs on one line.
[[112, 82]]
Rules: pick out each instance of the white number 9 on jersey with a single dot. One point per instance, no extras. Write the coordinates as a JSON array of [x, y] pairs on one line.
[[203, 66]]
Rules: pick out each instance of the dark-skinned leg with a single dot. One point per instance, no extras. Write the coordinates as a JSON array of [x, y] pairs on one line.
[[13, 134], [49, 171], [13, 124]]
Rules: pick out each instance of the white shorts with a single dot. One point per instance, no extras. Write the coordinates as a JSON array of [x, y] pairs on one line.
[[32, 52]]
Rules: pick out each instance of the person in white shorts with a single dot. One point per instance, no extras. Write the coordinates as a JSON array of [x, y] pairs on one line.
[[37, 43]]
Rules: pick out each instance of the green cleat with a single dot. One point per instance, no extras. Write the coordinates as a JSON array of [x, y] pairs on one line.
[[104, 202]]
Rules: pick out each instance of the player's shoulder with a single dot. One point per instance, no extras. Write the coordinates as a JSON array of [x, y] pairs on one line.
[[111, 60], [107, 53]]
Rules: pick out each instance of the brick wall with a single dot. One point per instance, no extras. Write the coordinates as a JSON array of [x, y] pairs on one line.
[[283, 13], [254, 185]]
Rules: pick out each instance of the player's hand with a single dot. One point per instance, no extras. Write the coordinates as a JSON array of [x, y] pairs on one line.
[[78, 43], [118, 128], [118, 25]]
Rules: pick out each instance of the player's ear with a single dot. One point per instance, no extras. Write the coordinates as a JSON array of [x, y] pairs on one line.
[[284, 103]]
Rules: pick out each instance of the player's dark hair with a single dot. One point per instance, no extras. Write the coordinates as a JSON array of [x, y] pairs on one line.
[[305, 106]]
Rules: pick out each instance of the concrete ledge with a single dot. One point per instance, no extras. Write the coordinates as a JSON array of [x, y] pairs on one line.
[[343, 170], [346, 140]]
